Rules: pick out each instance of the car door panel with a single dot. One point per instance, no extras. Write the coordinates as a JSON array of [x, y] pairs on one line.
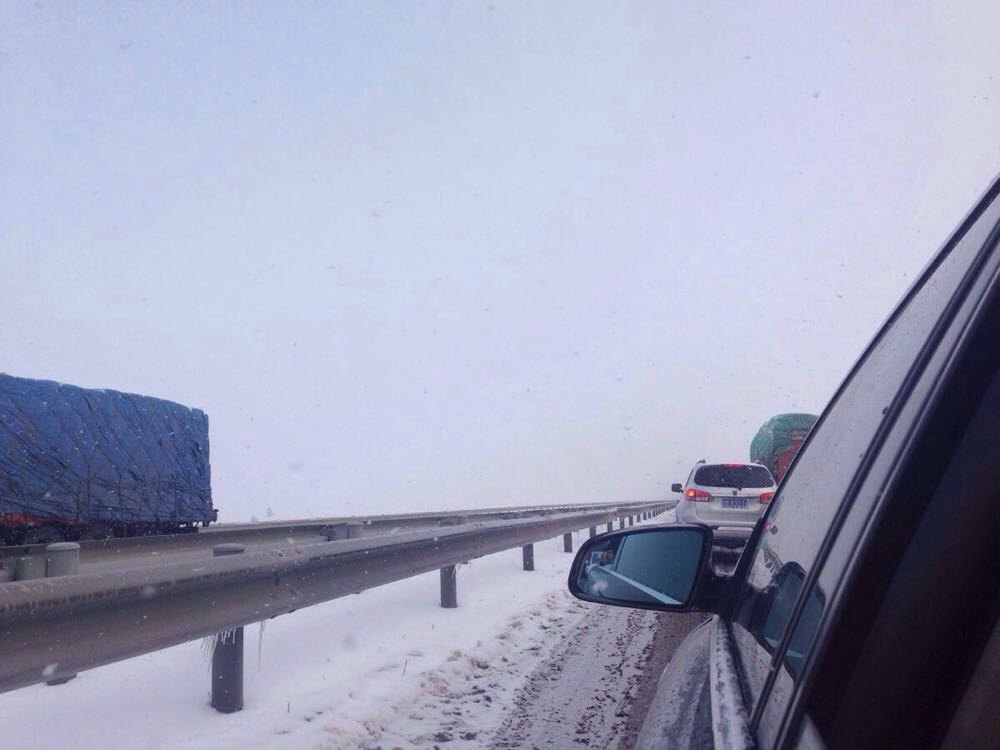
[[680, 715]]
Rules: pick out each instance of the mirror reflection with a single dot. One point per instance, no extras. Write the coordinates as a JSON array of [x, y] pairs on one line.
[[654, 566]]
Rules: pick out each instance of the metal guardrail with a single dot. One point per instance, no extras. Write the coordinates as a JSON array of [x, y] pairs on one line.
[[52, 628], [303, 531]]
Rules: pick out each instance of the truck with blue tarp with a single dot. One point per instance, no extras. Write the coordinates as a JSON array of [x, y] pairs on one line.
[[80, 463]]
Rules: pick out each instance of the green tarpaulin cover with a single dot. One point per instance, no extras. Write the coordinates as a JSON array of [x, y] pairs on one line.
[[777, 433]]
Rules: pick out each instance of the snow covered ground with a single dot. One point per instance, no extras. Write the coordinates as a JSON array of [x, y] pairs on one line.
[[387, 668]]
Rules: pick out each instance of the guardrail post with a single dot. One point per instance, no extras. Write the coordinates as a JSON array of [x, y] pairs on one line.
[[61, 559], [621, 522], [227, 656], [449, 587], [349, 530], [568, 542], [29, 567], [611, 526], [528, 556], [631, 520], [593, 531]]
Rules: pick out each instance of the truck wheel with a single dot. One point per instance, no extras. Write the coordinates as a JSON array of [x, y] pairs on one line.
[[95, 532], [43, 535]]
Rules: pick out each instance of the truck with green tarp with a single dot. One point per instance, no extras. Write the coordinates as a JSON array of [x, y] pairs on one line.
[[779, 439]]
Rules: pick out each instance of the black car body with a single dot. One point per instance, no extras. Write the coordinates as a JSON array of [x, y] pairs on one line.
[[863, 612]]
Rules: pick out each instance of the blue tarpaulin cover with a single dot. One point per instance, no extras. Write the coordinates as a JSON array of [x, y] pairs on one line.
[[75, 454]]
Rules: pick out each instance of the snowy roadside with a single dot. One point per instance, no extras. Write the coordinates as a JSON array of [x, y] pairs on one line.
[[387, 668]]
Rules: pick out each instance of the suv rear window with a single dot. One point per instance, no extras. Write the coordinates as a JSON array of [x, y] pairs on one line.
[[737, 477]]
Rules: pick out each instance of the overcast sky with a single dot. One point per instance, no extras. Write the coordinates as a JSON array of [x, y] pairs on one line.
[[412, 256]]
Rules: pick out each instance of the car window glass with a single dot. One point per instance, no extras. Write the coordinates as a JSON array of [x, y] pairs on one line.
[[737, 477], [805, 629], [783, 597], [815, 487]]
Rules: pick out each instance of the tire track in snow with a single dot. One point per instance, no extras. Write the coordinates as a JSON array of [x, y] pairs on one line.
[[594, 688], [459, 704]]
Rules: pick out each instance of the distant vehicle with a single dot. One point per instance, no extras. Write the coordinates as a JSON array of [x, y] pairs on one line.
[[729, 497], [778, 440], [94, 464], [863, 612]]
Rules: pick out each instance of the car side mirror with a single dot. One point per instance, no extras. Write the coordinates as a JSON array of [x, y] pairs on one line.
[[662, 568], [676, 487]]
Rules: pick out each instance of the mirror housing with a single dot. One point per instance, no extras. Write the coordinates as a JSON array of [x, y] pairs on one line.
[[664, 568], [676, 487]]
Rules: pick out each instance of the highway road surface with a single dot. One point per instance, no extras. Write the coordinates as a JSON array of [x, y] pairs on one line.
[[593, 690]]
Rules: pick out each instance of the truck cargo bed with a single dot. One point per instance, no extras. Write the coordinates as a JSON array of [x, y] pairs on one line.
[[75, 455]]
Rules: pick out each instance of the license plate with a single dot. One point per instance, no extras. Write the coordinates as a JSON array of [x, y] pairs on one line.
[[734, 502]]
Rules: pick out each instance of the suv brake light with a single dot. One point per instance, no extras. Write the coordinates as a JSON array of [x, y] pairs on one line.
[[765, 497], [698, 496]]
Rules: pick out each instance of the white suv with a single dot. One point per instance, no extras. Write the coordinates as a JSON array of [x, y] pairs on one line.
[[728, 497]]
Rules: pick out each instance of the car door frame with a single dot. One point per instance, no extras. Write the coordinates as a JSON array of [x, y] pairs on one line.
[[941, 378], [948, 319]]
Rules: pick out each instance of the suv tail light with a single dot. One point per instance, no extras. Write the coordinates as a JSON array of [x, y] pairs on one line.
[[698, 496], [765, 497]]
